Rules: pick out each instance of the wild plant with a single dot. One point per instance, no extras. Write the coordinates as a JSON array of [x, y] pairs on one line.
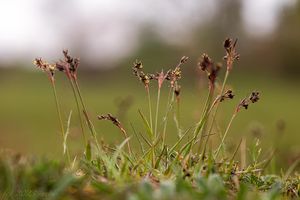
[[50, 69], [198, 172]]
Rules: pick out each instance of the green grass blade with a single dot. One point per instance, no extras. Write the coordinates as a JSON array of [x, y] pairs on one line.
[[67, 133], [146, 124]]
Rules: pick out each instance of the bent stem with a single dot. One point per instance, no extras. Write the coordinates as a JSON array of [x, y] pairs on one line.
[[60, 118], [225, 134], [126, 137]]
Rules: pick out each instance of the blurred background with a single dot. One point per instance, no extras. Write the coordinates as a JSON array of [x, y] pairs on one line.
[[108, 36]]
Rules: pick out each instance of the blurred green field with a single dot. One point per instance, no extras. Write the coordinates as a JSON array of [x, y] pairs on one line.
[[28, 122]]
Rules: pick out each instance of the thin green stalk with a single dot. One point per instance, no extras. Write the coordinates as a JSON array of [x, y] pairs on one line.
[[157, 109], [79, 111], [91, 127], [177, 115], [90, 124], [60, 118], [151, 127], [204, 117], [178, 118], [215, 112], [225, 134], [150, 108], [169, 107], [205, 114]]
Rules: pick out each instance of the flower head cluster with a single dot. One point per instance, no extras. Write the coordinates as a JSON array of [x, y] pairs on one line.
[[175, 74], [212, 70], [46, 67], [69, 65], [113, 119], [227, 95], [231, 54], [253, 98], [138, 72]]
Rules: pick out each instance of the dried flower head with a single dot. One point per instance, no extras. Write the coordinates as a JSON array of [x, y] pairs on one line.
[[114, 120], [46, 67], [231, 54], [69, 65], [254, 97], [138, 64], [109, 117], [207, 65], [227, 95], [142, 76], [205, 62], [213, 74], [174, 75]]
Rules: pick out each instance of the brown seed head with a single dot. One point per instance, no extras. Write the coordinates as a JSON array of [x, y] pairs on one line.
[[231, 54], [45, 66], [68, 58], [174, 75], [142, 76], [113, 119], [69, 65], [137, 64], [213, 74], [110, 118], [254, 97], [228, 44], [205, 63], [60, 66], [227, 95]]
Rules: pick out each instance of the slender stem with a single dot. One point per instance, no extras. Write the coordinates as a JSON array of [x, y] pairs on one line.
[[79, 111], [60, 118], [217, 103], [169, 107], [149, 105], [157, 108], [205, 114], [177, 114], [151, 126], [91, 127], [178, 118], [90, 124], [225, 134]]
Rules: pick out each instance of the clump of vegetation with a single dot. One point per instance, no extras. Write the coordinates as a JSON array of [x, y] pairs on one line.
[[187, 169]]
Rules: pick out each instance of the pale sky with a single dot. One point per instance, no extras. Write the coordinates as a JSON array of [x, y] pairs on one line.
[[107, 30]]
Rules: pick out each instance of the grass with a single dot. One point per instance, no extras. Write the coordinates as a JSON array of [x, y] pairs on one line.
[[169, 164]]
